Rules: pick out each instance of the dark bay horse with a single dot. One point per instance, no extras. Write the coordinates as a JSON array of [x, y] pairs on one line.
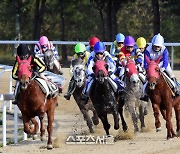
[[51, 62], [103, 96], [133, 93], [161, 98], [80, 78], [33, 102]]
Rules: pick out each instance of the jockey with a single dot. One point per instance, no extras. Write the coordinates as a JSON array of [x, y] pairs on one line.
[[117, 45], [154, 51], [100, 53], [80, 51], [141, 44], [92, 42], [44, 44], [38, 65], [129, 50]]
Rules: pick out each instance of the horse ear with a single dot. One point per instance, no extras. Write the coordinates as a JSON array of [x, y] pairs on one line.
[[29, 59], [158, 60], [18, 59], [147, 59]]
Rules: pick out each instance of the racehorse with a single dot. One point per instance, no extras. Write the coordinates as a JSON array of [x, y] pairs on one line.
[[33, 102], [162, 98], [131, 96], [51, 62], [79, 77], [103, 96]]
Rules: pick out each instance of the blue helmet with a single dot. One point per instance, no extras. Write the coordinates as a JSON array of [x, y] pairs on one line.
[[120, 37], [99, 47]]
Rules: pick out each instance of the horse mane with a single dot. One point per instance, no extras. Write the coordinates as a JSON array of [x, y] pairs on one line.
[[77, 61]]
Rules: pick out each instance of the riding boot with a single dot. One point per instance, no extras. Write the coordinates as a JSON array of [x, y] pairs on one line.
[[87, 89], [71, 88], [177, 87], [16, 92], [120, 85]]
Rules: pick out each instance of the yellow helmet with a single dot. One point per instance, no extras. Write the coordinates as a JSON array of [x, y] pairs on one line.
[[141, 42]]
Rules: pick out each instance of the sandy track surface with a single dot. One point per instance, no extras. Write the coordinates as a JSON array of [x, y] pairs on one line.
[[68, 120]]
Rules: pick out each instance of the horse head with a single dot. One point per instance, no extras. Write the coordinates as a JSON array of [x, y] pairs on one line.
[[132, 73], [78, 72], [153, 72], [24, 71], [49, 58], [101, 70]]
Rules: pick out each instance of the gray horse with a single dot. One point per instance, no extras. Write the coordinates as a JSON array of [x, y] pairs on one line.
[[79, 77], [51, 62], [132, 95]]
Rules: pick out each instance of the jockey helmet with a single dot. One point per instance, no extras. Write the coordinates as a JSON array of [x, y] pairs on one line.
[[158, 40], [129, 41], [120, 37], [93, 41], [80, 48], [43, 40], [99, 47], [141, 42], [23, 51]]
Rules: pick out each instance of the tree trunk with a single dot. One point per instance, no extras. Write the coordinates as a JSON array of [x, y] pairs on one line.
[[17, 23], [109, 20], [156, 20], [62, 30], [38, 18]]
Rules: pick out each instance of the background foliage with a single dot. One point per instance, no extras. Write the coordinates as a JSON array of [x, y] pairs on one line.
[[78, 20]]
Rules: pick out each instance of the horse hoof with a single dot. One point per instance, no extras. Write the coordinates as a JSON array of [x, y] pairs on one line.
[[43, 138], [178, 133], [116, 127], [49, 146], [125, 128], [91, 130], [95, 120], [158, 129], [35, 137]]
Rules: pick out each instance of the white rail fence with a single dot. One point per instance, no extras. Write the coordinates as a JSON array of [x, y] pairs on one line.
[[7, 98], [56, 43]]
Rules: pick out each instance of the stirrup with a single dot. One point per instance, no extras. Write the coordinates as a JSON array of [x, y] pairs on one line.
[[15, 102]]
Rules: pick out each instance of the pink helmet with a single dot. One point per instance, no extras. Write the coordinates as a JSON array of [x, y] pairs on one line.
[[43, 40]]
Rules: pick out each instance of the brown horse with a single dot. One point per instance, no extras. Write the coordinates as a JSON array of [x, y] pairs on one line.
[[161, 98], [33, 102]]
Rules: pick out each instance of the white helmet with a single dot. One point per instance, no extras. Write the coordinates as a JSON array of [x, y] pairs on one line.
[[158, 40]]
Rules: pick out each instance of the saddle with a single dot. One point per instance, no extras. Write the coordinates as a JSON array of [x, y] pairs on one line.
[[47, 88]]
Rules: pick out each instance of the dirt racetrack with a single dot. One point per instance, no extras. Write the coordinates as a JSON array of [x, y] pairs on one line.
[[68, 120]]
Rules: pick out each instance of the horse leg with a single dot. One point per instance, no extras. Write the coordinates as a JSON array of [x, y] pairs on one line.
[[27, 128], [170, 131], [104, 120], [42, 129], [141, 116], [36, 128], [50, 115], [133, 115], [177, 113], [95, 117], [156, 116], [88, 120], [120, 110], [116, 118]]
